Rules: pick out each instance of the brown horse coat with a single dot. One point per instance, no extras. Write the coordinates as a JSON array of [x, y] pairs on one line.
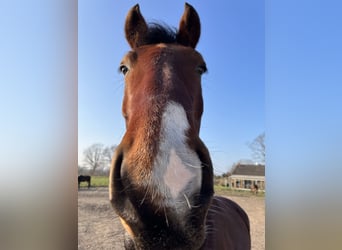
[[227, 226]]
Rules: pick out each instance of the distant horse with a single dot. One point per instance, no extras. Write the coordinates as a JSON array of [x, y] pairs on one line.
[[255, 188], [84, 178], [161, 179]]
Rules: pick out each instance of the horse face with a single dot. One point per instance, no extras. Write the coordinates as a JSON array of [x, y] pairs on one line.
[[161, 177]]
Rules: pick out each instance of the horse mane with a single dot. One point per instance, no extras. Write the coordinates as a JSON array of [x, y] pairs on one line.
[[160, 33]]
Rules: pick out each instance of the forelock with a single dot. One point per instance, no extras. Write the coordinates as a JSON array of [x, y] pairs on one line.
[[160, 33]]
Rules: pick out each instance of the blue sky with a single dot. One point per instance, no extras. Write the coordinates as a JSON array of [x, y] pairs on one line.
[[233, 90]]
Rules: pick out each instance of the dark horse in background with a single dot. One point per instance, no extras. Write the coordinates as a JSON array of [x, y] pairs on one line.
[[161, 179], [84, 178]]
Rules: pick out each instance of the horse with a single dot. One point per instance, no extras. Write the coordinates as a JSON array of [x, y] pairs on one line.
[[161, 177], [84, 178], [254, 189]]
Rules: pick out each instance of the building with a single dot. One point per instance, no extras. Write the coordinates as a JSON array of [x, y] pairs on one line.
[[244, 176]]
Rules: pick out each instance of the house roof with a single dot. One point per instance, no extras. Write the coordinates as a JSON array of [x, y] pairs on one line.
[[249, 169]]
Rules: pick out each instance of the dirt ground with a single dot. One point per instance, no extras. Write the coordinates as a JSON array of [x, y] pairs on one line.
[[100, 228]]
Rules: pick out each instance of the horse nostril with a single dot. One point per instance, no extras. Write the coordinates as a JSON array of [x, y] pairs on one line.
[[115, 182], [207, 170]]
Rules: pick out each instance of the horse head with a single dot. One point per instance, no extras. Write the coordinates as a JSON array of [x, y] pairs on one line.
[[161, 179]]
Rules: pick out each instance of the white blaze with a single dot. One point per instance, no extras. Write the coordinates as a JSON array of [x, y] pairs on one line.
[[177, 168], [177, 175]]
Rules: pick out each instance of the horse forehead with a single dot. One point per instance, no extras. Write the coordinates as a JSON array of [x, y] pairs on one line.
[[169, 52]]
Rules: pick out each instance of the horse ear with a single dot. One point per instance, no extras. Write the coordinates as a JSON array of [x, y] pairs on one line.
[[135, 27], [189, 27]]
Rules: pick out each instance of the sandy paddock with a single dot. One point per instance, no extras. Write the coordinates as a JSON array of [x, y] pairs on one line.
[[100, 228]]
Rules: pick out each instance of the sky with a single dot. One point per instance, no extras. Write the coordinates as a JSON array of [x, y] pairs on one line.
[[233, 88]]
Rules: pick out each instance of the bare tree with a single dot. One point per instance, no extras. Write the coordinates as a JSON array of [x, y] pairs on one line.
[[93, 156], [108, 153], [258, 148]]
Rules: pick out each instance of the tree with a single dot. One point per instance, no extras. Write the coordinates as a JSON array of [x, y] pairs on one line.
[[108, 154], [93, 156], [258, 148]]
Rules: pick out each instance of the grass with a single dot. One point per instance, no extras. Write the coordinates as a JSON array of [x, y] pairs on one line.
[[102, 181], [97, 181], [226, 191]]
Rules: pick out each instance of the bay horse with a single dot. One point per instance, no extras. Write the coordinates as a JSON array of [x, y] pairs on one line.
[[161, 178]]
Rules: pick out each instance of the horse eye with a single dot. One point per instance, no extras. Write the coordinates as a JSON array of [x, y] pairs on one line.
[[201, 69], [123, 69]]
